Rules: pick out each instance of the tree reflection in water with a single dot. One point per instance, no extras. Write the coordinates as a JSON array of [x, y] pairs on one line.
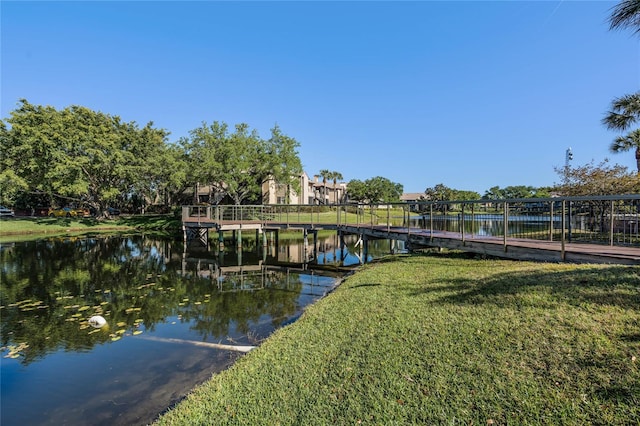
[[143, 287]]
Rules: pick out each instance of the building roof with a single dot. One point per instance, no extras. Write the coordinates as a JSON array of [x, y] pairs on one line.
[[412, 196]]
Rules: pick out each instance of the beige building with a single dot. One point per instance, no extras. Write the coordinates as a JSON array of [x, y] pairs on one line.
[[309, 191]]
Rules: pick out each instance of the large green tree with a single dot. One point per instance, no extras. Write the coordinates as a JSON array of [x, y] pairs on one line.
[[243, 170], [164, 178], [12, 184], [375, 190], [200, 150], [443, 193], [282, 160], [238, 163], [597, 179], [77, 154], [439, 192]]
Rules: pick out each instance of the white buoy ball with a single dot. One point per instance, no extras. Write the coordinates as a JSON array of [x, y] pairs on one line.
[[97, 321]]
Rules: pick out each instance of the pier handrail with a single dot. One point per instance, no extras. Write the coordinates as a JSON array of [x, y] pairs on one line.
[[609, 219]]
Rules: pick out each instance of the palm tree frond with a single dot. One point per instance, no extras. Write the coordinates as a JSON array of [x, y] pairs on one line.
[[624, 112], [626, 14], [627, 142]]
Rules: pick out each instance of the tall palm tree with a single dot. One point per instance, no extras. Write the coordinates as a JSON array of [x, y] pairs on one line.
[[626, 14], [331, 175], [324, 174], [335, 176], [624, 113]]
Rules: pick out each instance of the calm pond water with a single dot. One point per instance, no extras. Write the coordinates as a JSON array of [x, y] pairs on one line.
[[487, 224], [168, 308]]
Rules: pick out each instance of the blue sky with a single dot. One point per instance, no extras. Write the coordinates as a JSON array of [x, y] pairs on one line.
[[469, 94]]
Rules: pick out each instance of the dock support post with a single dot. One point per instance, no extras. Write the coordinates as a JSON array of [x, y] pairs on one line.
[[462, 224], [315, 243], [389, 218], [563, 225], [505, 225], [550, 220], [220, 263], [221, 240], [611, 224], [365, 245], [569, 224], [473, 220], [430, 222]]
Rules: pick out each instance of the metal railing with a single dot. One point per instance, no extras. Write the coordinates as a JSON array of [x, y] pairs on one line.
[[610, 220]]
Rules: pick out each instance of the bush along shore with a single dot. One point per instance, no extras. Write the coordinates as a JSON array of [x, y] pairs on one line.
[[444, 339]]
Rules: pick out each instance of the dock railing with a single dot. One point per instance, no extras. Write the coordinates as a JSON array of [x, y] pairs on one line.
[[609, 220]]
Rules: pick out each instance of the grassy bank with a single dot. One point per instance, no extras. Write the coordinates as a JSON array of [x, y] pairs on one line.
[[444, 340], [21, 229]]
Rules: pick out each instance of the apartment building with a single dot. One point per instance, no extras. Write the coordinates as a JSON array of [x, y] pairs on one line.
[[309, 191]]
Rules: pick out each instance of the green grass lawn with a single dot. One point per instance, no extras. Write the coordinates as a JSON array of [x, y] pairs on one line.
[[317, 217], [21, 229], [444, 339], [378, 216]]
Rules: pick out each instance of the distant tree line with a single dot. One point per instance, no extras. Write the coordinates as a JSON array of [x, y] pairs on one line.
[[586, 180]]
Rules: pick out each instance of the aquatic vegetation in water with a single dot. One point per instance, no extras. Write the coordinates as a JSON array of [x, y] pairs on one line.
[[15, 351]]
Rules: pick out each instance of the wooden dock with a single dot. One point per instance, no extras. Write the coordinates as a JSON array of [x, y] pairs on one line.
[[416, 239], [509, 248]]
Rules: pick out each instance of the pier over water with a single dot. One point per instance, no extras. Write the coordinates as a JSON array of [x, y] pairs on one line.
[[603, 229]]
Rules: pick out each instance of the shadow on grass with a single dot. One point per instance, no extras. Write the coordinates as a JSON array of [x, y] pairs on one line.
[[598, 285], [629, 392], [158, 222], [148, 220], [364, 285], [68, 221], [630, 337]]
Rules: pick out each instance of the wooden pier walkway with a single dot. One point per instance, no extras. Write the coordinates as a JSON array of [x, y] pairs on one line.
[[510, 248], [598, 229], [416, 239]]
